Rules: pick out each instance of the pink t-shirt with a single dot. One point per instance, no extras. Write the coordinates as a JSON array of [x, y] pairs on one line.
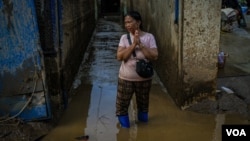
[[127, 69]]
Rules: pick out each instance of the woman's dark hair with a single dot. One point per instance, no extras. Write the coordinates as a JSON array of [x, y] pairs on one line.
[[135, 15]]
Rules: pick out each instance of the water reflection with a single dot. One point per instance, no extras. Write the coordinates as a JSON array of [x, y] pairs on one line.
[[101, 121]]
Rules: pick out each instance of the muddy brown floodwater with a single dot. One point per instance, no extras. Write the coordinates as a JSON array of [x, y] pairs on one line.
[[92, 108]]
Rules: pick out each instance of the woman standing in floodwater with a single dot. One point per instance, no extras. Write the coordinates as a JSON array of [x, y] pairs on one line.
[[129, 82]]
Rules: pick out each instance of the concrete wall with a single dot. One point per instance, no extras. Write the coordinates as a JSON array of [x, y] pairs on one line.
[[19, 47], [65, 28], [21, 62], [43, 43], [78, 23], [187, 48], [201, 36]]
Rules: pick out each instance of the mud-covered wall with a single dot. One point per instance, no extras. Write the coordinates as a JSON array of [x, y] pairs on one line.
[[41, 46], [200, 45], [19, 48], [21, 63], [65, 28], [78, 23], [188, 42]]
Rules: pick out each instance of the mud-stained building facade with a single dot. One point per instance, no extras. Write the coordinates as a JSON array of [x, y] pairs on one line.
[[187, 34], [42, 43]]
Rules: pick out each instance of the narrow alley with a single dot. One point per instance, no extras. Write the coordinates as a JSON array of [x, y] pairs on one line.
[[59, 71], [91, 110]]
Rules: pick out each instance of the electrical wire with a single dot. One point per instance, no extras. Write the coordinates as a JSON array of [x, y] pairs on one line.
[[27, 103]]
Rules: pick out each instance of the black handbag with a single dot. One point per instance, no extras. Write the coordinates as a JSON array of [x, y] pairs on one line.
[[143, 68]]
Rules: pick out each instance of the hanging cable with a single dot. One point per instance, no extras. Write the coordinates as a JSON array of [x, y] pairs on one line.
[[27, 103]]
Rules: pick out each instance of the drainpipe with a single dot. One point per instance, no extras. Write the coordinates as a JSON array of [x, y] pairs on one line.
[[176, 18], [60, 50], [181, 26]]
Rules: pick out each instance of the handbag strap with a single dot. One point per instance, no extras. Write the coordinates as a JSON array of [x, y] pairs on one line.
[[129, 41]]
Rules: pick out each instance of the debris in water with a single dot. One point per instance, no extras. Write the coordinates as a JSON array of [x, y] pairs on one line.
[[82, 138], [76, 83], [218, 91], [227, 90]]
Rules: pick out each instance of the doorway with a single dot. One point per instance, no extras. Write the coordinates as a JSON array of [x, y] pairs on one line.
[[110, 6]]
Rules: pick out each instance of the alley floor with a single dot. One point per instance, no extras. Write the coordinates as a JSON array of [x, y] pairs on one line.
[[91, 110], [235, 45]]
